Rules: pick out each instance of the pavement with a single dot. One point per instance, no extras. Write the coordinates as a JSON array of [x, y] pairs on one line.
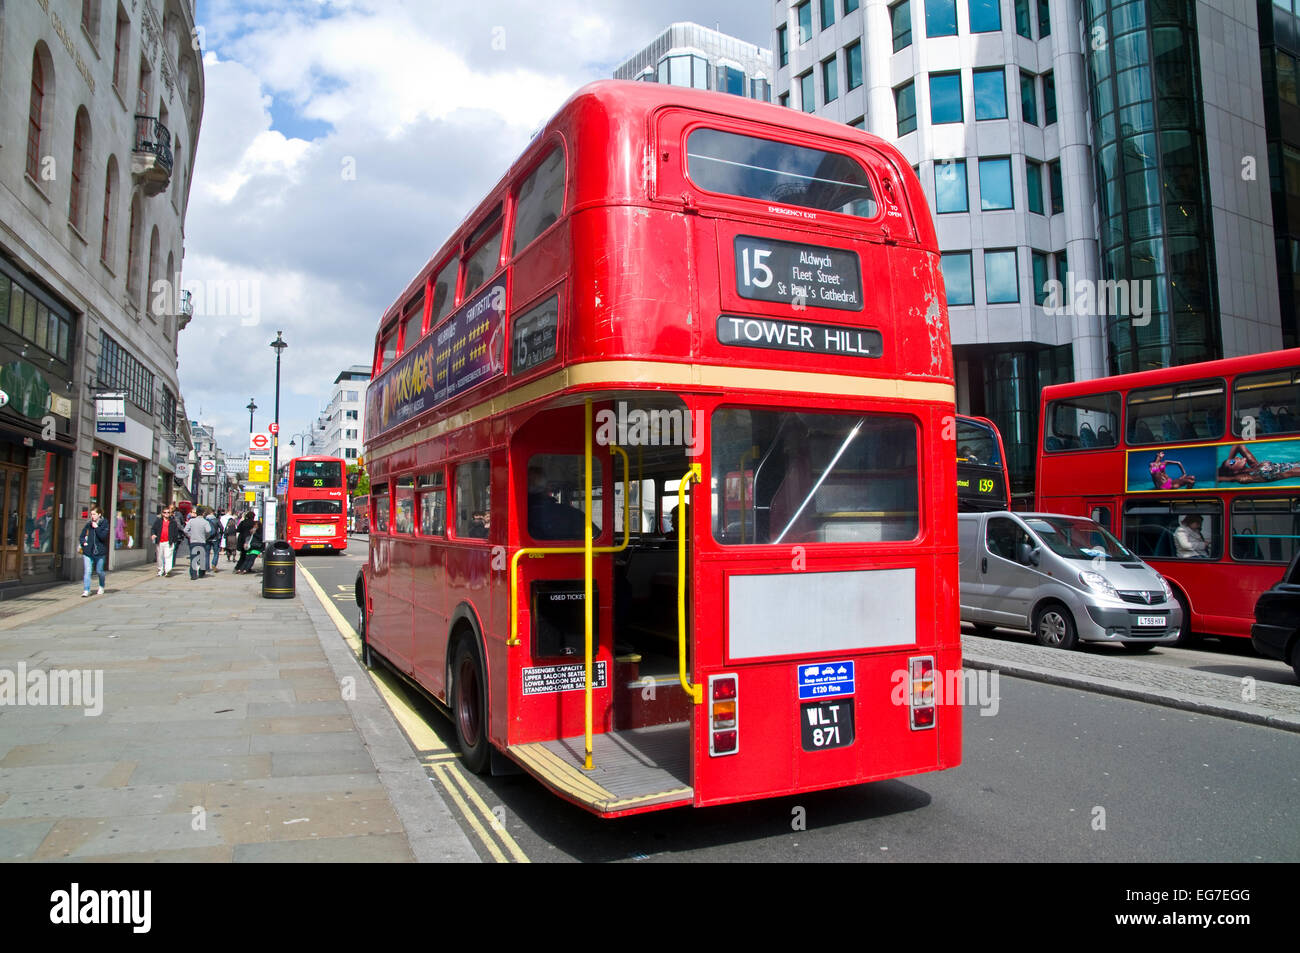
[[1241, 698], [233, 728]]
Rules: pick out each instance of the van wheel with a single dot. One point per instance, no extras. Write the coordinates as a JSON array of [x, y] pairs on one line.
[[1054, 627], [1185, 637], [469, 707]]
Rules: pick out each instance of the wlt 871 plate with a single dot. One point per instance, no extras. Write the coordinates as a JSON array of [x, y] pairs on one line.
[[826, 724]]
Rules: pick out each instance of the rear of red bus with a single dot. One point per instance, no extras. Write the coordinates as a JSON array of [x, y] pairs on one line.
[[315, 509], [821, 595]]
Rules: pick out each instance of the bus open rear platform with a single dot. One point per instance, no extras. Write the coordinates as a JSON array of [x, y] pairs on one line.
[[633, 770]]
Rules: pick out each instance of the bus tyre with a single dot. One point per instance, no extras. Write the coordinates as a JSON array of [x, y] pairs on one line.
[[1054, 627], [469, 707]]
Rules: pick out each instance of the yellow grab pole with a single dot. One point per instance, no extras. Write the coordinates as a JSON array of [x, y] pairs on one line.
[[695, 473], [587, 570]]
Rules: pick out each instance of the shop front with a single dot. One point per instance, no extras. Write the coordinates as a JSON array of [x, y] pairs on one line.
[[124, 487], [36, 438]]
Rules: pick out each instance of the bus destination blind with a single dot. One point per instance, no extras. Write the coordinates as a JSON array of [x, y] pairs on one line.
[[798, 274]]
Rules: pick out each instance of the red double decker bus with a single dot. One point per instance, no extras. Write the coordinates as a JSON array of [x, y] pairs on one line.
[[660, 492], [983, 482], [312, 510], [1196, 468]]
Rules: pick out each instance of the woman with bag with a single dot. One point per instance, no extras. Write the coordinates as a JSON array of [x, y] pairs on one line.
[[231, 534], [94, 549]]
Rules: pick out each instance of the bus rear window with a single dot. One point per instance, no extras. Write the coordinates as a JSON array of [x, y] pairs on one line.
[[771, 171], [789, 477], [318, 474]]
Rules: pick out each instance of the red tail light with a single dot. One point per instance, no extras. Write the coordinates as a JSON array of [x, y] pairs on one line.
[[724, 722], [921, 696]]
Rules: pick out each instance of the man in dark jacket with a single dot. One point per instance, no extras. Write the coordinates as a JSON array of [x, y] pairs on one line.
[[94, 548], [197, 531], [166, 532]]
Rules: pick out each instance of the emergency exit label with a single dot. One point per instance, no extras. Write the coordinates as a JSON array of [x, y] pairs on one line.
[[825, 679]]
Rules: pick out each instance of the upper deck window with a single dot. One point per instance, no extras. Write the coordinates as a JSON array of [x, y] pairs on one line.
[[778, 172], [1082, 423], [444, 292], [412, 323], [317, 474], [486, 258], [540, 201], [1192, 411], [388, 353], [1269, 402]]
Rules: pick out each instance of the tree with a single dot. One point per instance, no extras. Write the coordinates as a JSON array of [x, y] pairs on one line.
[[358, 479]]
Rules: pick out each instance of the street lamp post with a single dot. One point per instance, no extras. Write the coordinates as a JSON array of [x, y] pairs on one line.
[[252, 406], [279, 344]]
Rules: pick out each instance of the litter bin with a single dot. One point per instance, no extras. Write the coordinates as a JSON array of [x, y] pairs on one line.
[[278, 571]]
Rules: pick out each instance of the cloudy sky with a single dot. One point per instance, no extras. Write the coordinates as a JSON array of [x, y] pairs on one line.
[[342, 142]]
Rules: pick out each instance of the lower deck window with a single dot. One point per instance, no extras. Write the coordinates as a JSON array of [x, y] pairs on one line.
[[1181, 529], [474, 500], [1265, 530]]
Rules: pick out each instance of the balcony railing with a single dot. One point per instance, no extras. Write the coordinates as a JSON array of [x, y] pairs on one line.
[[151, 159], [185, 312]]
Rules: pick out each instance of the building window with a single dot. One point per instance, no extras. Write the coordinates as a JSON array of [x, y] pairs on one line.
[[945, 98], [850, 6], [783, 100], [827, 12], [120, 37], [151, 274], [859, 122], [1034, 185], [690, 72], [830, 81], [1039, 261], [1001, 284], [950, 186], [853, 64], [133, 250], [1022, 19], [957, 281], [110, 209], [27, 315], [803, 15], [90, 18], [37, 105], [985, 16], [995, 185], [1058, 190], [168, 410], [760, 90], [1049, 98], [1028, 98], [80, 147], [1063, 271], [990, 93], [807, 97], [351, 415], [782, 47], [119, 370], [905, 106], [940, 17], [731, 80], [1044, 19], [900, 15]]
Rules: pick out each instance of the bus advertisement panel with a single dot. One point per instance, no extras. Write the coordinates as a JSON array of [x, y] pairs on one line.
[[1196, 468], [661, 463]]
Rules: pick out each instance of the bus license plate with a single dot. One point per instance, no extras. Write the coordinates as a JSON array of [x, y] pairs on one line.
[[1151, 621], [826, 724]]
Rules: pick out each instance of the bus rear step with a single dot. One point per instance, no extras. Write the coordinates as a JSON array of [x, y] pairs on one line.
[[634, 770]]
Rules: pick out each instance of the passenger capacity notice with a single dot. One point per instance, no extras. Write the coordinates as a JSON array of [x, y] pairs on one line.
[[798, 274], [549, 679]]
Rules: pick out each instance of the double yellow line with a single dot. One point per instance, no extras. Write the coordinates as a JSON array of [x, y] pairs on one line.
[[441, 762]]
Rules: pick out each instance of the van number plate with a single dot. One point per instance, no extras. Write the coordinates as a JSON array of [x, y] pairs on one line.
[[826, 724], [1151, 621]]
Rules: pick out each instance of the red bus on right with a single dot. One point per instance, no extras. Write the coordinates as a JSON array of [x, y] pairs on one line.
[[1196, 468]]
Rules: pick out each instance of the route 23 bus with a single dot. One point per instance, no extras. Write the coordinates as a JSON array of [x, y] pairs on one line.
[[660, 503], [312, 509]]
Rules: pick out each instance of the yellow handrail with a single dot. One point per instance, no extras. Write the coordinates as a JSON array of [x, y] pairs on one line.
[[695, 473]]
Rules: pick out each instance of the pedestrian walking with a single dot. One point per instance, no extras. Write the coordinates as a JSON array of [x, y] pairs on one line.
[[166, 532], [214, 541], [197, 531], [94, 548], [231, 537]]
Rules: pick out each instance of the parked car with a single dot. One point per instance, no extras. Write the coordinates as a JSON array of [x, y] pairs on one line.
[[1063, 578], [1276, 632]]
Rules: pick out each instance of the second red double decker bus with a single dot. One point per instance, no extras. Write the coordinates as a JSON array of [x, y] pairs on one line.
[[661, 498], [313, 508]]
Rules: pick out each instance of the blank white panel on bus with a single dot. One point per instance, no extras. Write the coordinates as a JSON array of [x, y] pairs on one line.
[[798, 612]]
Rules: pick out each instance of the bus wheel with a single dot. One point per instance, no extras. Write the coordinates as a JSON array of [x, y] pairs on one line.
[[469, 707], [1054, 627]]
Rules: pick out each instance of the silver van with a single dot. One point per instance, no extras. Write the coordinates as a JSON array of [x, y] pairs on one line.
[[1063, 578]]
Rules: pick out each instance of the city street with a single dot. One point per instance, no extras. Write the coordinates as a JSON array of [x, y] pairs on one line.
[[1037, 780]]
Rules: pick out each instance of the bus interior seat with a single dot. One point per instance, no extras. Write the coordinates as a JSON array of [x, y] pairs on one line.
[[1142, 433], [1246, 546], [1086, 437], [1186, 430], [1104, 437], [1168, 429], [1054, 443]]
